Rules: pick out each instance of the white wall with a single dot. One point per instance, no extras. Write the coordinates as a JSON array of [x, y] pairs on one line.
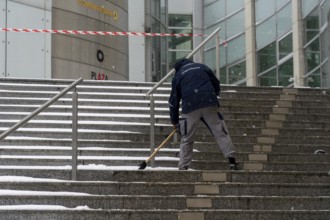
[[136, 13], [28, 55], [180, 6]]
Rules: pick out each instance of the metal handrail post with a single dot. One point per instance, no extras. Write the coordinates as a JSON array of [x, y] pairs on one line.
[[152, 128], [217, 55], [188, 56], [74, 135], [38, 110]]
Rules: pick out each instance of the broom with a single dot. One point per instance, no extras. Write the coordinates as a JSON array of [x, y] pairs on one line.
[[143, 165]]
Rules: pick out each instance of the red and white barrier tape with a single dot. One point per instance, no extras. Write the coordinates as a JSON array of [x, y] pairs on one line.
[[104, 33]]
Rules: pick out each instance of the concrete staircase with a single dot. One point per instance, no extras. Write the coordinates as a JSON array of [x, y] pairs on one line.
[[280, 135]]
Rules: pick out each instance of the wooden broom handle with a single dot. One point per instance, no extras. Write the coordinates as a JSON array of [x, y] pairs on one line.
[[161, 145]]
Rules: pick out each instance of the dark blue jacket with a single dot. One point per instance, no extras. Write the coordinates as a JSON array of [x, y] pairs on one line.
[[196, 85]]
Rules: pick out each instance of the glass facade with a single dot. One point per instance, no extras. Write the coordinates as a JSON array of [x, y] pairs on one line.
[[159, 24], [316, 42], [229, 15], [274, 22], [274, 43], [179, 47]]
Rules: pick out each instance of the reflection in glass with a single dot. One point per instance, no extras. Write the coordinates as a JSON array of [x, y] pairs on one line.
[[325, 75], [284, 20], [308, 6], [314, 79], [325, 8], [236, 73], [233, 6], [325, 45], [266, 32], [285, 73], [214, 12], [264, 9], [266, 58], [285, 46], [236, 49], [268, 79], [312, 54], [235, 24], [312, 25], [281, 3]]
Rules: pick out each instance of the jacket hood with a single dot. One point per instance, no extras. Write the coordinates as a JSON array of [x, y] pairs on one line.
[[181, 63]]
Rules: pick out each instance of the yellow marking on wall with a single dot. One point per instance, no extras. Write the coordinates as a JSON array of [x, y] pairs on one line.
[[99, 8]]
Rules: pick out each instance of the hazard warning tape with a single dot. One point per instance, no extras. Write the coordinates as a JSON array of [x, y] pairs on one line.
[[103, 33]]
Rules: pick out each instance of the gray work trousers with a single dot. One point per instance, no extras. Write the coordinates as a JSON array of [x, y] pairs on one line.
[[214, 121]]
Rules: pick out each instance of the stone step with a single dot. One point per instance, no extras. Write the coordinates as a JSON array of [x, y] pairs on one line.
[[88, 134], [10, 152], [167, 188], [133, 102], [140, 127], [132, 174], [301, 148], [29, 141], [148, 202], [307, 124], [163, 161], [316, 140], [84, 213]]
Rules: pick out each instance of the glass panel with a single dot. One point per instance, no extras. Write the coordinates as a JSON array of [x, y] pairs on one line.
[[214, 12], [237, 73], [183, 21], [325, 75], [180, 43], [266, 32], [235, 24], [325, 46], [233, 6], [312, 25], [236, 49], [284, 20], [285, 73], [308, 6], [206, 2], [281, 3], [268, 79], [312, 53], [210, 59], [324, 12], [174, 56], [285, 46], [266, 58], [314, 80], [223, 76], [264, 9], [208, 31]]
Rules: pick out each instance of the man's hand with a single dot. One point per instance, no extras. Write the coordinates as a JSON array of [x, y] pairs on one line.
[[177, 128]]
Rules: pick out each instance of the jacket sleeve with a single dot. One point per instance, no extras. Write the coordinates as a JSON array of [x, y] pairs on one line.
[[174, 102], [214, 80]]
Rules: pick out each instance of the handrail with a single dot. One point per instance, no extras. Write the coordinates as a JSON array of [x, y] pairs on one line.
[[150, 92], [187, 57], [40, 109]]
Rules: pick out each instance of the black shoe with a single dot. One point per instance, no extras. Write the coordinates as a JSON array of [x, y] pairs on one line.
[[233, 166], [183, 168]]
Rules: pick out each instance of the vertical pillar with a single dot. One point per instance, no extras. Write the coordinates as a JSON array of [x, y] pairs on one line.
[[250, 42], [298, 50], [198, 20]]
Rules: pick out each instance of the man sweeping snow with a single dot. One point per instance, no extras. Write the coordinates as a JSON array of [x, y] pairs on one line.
[[198, 88]]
